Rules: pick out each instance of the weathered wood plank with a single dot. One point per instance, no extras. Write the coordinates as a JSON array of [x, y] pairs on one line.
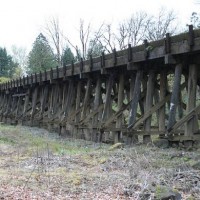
[[150, 112], [44, 97], [135, 97], [191, 124], [148, 104], [163, 91], [97, 100], [26, 102], [78, 100], [107, 105], [119, 105], [186, 118], [86, 98], [34, 101], [175, 96]]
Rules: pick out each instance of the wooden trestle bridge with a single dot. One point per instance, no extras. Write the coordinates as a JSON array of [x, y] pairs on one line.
[[151, 89]]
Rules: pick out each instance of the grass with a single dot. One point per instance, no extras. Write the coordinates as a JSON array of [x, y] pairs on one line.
[[15, 136], [34, 161]]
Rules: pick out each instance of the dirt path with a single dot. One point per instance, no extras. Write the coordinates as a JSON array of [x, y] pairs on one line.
[[36, 164]]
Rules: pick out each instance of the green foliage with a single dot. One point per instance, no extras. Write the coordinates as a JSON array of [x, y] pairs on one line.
[[41, 56], [95, 49], [4, 79], [17, 73], [7, 66], [6, 140], [67, 56]]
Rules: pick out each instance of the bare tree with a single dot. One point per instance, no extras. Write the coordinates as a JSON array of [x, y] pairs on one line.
[[84, 36], [159, 25], [108, 38], [122, 35], [19, 55], [88, 40], [55, 36], [132, 31], [195, 20]]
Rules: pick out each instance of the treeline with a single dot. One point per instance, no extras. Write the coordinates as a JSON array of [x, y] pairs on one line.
[[54, 48], [7, 65]]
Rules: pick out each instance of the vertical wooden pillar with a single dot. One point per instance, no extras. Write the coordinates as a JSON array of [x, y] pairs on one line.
[[8, 104], [69, 106], [68, 102], [34, 102], [132, 86], [18, 107], [56, 102], [78, 100], [13, 104], [97, 100], [119, 105], [191, 103], [64, 96], [26, 102], [148, 105], [86, 98], [86, 106], [163, 90], [108, 103], [175, 96], [135, 99], [44, 96]]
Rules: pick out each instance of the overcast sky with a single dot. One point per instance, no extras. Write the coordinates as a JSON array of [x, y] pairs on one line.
[[22, 20]]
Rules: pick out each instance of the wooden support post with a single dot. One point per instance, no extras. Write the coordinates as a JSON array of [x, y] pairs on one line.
[[86, 98], [132, 86], [135, 99], [180, 107], [175, 96], [86, 106], [97, 100], [156, 100], [102, 63], [107, 104], [44, 96], [119, 106], [18, 107], [34, 101], [148, 105], [56, 98], [64, 96], [68, 104], [26, 102], [8, 104], [78, 100], [4, 105], [191, 103], [13, 104], [163, 92]]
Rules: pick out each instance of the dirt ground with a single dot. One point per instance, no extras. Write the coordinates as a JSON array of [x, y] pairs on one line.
[[36, 164]]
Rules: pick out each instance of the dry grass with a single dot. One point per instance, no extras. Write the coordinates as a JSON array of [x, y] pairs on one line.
[[35, 164]]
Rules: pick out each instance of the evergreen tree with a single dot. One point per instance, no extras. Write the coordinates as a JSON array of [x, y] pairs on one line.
[[7, 66], [95, 49], [67, 56], [41, 56]]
